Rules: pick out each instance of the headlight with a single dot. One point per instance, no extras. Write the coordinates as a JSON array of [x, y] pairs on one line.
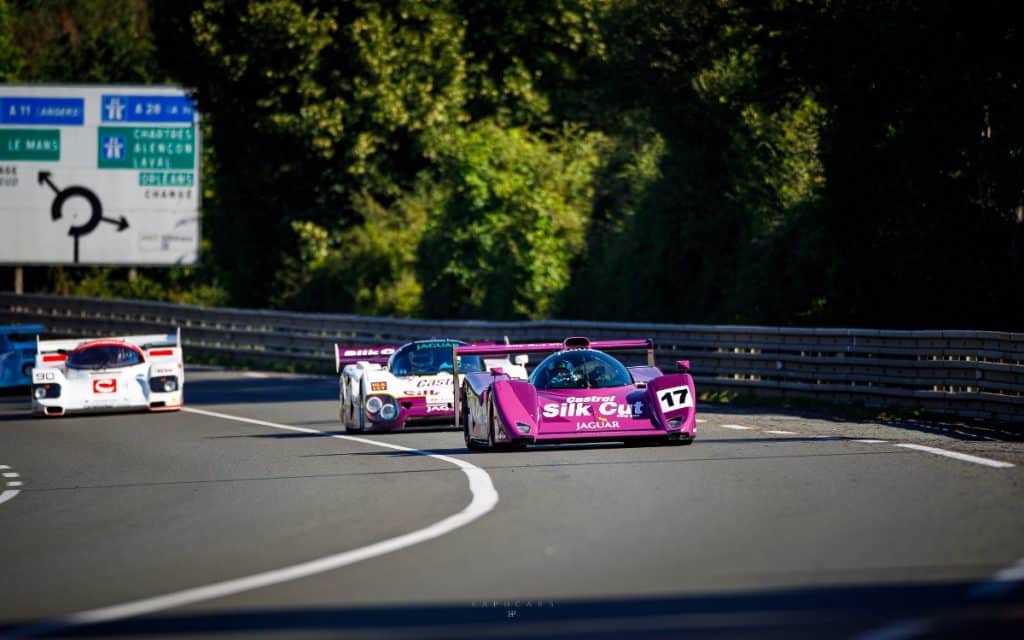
[[373, 404], [40, 391], [163, 384], [522, 427], [388, 411]]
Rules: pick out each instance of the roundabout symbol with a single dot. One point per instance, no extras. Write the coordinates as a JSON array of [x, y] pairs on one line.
[[69, 201]]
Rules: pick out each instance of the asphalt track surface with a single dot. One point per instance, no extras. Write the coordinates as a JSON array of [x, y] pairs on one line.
[[771, 525]]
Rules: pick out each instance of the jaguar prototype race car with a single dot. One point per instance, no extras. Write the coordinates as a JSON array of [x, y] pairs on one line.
[[578, 393], [386, 388], [144, 372], [18, 354]]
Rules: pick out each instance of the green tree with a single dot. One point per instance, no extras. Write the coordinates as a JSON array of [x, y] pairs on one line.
[[11, 58], [513, 223]]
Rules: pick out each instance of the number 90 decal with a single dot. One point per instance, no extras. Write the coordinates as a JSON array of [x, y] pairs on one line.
[[674, 398]]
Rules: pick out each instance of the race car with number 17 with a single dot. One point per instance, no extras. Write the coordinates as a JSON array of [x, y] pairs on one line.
[[578, 393]]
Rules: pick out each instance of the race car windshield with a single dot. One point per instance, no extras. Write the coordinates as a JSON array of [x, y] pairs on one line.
[[580, 369], [430, 358], [104, 357]]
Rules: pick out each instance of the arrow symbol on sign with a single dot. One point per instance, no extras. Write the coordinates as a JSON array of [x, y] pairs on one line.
[[122, 224], [44, 176]]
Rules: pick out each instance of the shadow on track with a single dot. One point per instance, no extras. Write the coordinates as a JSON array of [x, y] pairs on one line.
[[933, 611], [242, 390]]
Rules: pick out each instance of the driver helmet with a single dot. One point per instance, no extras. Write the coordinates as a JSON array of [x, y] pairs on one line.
[[561, 371], [422, 360]]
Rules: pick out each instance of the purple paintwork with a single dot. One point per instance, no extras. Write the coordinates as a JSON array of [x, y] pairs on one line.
[[645, 405]]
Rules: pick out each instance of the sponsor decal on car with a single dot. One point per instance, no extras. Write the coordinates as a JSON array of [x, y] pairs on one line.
[[104, 385], [433, 382], [438, 408], [378, 386], [601, 423], [355, 353], [436, 345], [572, 408]]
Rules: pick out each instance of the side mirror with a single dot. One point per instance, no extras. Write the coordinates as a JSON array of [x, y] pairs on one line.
[[520, 359], [497, 371], [684, 365]]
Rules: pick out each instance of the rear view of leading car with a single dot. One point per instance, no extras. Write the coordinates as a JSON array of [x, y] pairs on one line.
[[126, 373]]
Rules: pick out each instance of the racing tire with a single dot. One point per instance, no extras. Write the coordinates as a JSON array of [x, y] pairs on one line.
[[471, 444], [351, 424], [492, 442]]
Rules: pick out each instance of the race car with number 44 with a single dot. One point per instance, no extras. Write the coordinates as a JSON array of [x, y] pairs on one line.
[[578, 393], [125, 373], [386, 388]]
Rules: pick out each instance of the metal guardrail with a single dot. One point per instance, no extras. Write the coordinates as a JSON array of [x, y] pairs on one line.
[[966, 373]]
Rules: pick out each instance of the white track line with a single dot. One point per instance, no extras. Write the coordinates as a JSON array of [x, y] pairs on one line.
[[9, 493], [484, 499], [996, 464], [1001, 583], [959, 456]]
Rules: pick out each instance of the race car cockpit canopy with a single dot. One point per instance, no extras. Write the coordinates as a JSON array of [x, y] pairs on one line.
[[430, 357], [580, 369], [104, 356]]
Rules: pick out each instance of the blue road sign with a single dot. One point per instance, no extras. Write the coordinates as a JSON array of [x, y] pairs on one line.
[[122, 108], [113, 147], [47, 111]]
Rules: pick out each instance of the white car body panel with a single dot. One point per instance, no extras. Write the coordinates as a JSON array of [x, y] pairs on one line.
[[113, 388]]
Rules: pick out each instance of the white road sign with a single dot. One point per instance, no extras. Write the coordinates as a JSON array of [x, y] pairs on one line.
[[98, 175]]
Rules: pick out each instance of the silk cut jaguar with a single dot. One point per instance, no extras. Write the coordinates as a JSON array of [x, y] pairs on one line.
[[388, 387], [125, 373], [578, 393]]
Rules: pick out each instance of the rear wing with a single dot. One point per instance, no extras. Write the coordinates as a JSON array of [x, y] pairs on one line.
[[544, 347], [568, 343], [51, 353], [352, 355], [22, 329]]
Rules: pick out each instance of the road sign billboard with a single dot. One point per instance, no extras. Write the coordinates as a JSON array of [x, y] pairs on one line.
[[98, 175]]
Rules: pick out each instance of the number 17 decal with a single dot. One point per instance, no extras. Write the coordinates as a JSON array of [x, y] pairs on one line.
[[674, 398]]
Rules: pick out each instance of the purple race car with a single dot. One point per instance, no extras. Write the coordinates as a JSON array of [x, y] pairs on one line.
[[579, 393]]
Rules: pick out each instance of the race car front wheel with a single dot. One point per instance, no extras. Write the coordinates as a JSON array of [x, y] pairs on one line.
[[354, 420]]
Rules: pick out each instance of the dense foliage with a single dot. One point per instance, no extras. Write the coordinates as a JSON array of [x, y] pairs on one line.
[[816, 162]]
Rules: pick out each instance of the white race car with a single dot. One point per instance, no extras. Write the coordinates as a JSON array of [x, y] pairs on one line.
[[125, 373], [386, 388]]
